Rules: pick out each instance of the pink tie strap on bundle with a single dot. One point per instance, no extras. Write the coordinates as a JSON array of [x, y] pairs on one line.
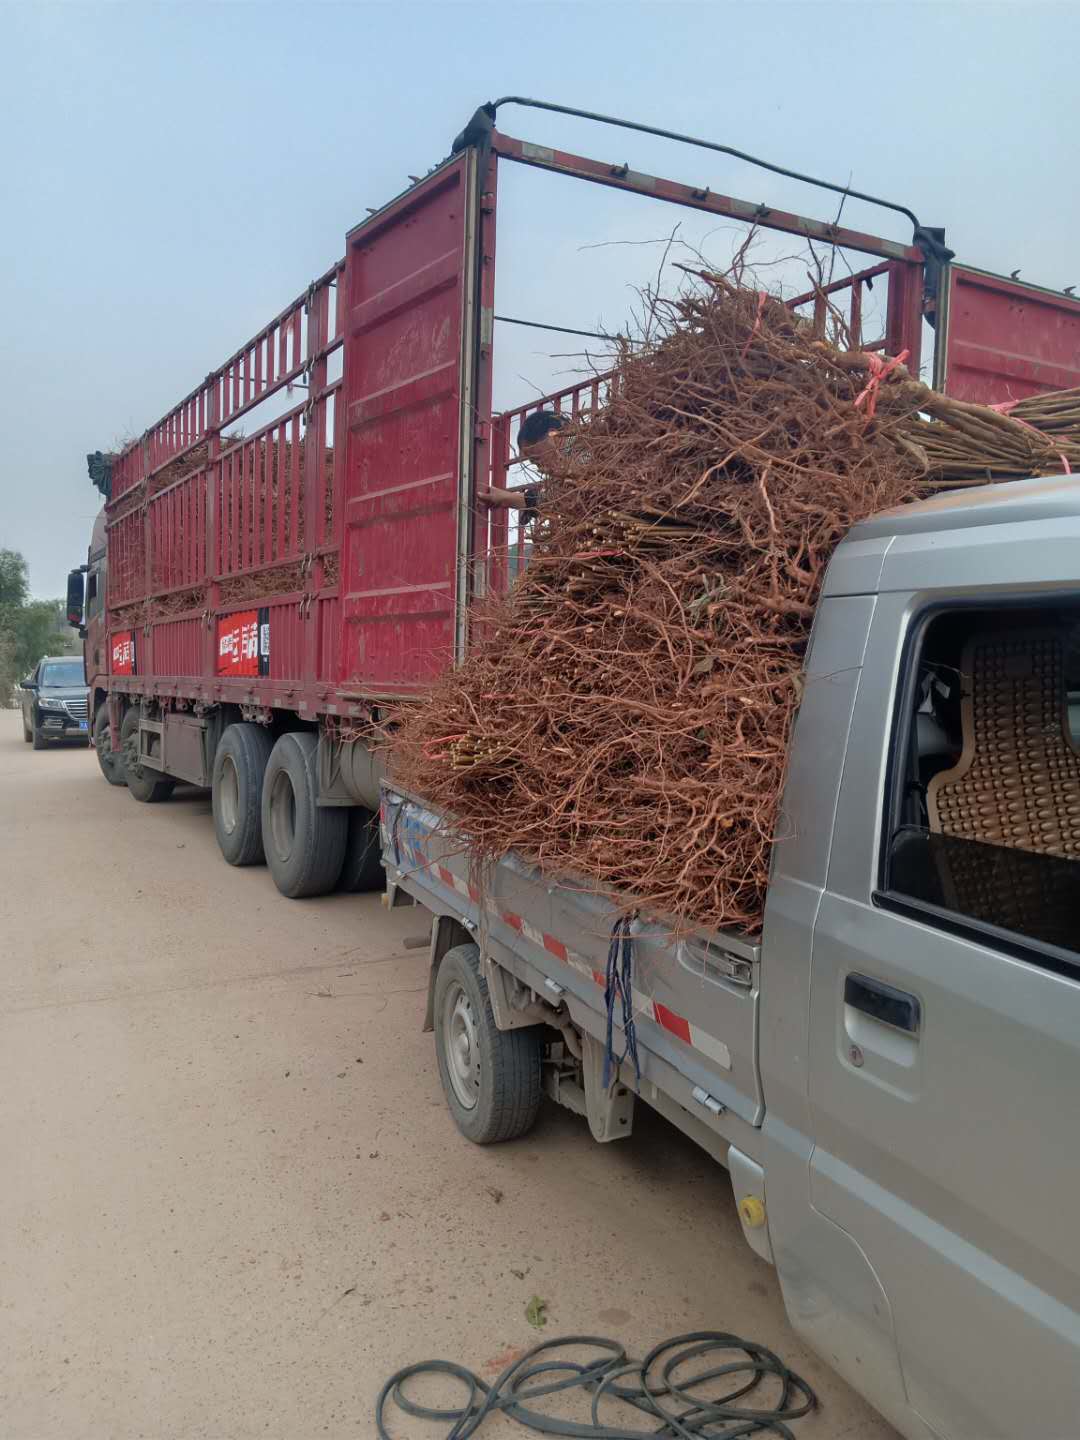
[[1003, 407], [878, 371], [433, 748]]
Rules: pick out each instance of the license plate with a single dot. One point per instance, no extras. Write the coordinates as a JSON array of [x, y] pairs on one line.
[[84, 724]]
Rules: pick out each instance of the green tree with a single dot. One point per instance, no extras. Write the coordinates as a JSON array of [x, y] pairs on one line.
[[14, 582], [28, 628]]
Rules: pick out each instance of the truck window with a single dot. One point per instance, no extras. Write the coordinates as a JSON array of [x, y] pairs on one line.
[[983, 819]]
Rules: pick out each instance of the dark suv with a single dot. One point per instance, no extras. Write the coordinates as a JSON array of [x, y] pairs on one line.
[[54, 701]]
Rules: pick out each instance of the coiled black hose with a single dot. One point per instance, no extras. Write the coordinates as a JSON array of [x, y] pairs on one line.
[[654, 1386]]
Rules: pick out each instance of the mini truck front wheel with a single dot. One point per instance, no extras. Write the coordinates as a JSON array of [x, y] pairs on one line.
[[491, 1077]]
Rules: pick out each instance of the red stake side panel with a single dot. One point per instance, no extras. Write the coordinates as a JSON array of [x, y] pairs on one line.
[[1003, 340], [406, 278]]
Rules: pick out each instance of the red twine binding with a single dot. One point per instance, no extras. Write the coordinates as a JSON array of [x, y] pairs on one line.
[[878, 371], [430, 750]]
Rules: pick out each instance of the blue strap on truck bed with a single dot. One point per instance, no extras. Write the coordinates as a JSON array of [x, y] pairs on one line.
[[619, 987]]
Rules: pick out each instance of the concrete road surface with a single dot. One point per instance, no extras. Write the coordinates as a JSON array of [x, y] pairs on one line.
[[232, 1199]]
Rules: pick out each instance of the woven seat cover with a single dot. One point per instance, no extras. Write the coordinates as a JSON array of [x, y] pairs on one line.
[[1017, 782]]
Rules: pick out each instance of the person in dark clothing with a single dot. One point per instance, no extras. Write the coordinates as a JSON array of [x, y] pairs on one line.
[[539, 444]]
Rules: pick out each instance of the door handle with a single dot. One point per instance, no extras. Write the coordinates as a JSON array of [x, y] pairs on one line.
[[884, 1003]]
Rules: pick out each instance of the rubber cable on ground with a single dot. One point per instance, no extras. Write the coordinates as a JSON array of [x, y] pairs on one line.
[[659, 1387]]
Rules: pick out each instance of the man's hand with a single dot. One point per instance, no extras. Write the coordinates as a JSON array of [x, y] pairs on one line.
[[496, 499]]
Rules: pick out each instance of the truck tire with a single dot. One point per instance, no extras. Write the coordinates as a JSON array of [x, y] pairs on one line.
[[304, 842], [110, 760], [148, 786], [36, 735], [236, 792], [491, 1077], [362, 868]]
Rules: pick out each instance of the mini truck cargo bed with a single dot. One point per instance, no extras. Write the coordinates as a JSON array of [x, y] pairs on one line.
[[695, 997]]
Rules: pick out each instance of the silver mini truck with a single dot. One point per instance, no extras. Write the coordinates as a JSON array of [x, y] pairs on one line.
[[890, 1074]]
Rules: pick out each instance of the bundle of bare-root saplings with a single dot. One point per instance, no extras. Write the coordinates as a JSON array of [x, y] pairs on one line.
[[626, 711]]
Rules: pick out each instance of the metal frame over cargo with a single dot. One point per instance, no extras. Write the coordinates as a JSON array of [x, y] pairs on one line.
[[309, 572]]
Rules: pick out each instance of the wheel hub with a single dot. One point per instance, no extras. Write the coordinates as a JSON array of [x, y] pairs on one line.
[[462, 1048], [229, 795], [282, 815]]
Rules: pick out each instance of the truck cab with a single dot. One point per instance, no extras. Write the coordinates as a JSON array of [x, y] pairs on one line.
[[887, 1071], [926, 919], [86, 612]]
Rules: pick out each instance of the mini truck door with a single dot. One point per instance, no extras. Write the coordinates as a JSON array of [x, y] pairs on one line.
[[944, 1064]]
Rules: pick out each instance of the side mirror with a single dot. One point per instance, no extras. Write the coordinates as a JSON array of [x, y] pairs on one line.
[[75, 598], [28, 684]]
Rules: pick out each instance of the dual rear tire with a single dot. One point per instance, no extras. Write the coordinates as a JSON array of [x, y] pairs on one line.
[[264, 798], [304, 841], [236, 792]]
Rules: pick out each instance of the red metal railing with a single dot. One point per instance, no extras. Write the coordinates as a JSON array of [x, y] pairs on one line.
[[622, 177], [507, 539], [902, 309], [127, 557], [215, 505], [260, 499], [238, 504], [177, 521], [269, 362]]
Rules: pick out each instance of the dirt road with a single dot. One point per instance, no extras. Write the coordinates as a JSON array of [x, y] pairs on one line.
[[233, 1200]]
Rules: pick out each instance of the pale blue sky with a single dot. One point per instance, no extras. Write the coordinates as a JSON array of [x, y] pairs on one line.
[[174, 173]]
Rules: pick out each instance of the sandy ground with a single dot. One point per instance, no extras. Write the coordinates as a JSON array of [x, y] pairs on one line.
[[233, 1200]]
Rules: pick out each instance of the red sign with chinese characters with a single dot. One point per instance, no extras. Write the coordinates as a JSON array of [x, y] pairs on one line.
[[243, 646], [122, 653]]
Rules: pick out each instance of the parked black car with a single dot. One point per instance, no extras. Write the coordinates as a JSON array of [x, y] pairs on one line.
[[54, 701]]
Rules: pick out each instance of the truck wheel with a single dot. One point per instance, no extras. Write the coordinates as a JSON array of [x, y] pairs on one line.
[[36, 735], [304, 842], [148, 786], [236, 792], [491, 1077], [110, 760], [362, 870]]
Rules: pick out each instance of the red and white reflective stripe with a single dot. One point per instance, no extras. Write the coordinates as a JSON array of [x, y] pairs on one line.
[[667, 1019], [455, 882]]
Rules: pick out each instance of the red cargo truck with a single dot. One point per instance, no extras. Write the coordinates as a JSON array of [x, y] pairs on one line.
[[270, 573]]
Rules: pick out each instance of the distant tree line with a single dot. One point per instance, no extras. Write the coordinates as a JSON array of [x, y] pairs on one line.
[[29, 628]]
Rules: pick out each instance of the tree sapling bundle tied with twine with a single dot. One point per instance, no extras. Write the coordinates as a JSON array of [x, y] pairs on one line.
[[626, 711]]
